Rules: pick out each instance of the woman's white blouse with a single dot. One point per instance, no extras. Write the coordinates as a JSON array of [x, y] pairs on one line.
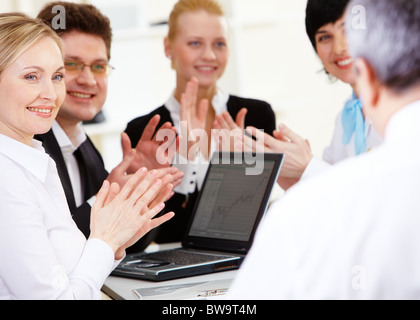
[[43, 253]]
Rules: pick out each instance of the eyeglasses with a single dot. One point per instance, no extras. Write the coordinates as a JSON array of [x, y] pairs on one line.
[[100, 69]]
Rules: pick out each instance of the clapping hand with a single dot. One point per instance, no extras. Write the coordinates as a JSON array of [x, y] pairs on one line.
[[193, 122], [121, 216], [228, 133], [147, 149], [145, 155], [297, 151]]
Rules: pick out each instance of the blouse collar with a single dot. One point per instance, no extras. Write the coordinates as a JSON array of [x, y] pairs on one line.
[[33, 158], [219, 103], [404, 122]]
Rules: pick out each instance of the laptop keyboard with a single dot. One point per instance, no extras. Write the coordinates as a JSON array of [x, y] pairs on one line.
[[182, 257]]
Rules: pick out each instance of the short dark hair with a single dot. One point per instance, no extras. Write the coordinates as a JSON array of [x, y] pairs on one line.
[[322, 12], [84, 18]]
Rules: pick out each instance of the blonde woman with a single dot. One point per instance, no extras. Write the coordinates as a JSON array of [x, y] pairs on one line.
[[45, 256], [197, 46]]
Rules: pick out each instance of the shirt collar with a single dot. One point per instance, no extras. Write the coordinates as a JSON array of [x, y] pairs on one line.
[[63, 140], [220, 101], [404, 123], [219, 104], [33, 158]]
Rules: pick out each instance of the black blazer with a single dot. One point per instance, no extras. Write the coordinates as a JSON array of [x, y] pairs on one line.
[[92, 179], [260, 115]]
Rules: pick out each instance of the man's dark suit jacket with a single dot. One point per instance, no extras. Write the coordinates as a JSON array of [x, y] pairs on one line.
[[260, 115], [92, 177]]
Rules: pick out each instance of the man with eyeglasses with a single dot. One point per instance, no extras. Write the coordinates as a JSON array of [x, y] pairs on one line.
[[96, 68], [87, 46]]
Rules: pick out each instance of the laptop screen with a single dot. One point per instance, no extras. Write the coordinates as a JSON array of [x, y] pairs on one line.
[[231, 200]]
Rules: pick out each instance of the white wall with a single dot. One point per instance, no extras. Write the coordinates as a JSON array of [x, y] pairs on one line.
[[30, 7]]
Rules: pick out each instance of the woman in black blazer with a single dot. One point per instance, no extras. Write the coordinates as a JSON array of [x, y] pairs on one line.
[[197, 47]]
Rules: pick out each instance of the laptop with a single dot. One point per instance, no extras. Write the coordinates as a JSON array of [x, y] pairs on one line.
[[234, 197]]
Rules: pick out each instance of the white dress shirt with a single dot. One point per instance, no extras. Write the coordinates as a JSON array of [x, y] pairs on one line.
[[194, 171], [351, 233], [44, 255], [338, 151]]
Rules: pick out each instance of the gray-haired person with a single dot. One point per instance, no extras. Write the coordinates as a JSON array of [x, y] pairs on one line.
[[353, 233]]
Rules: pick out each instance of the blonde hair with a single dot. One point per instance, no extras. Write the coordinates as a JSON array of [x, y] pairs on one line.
[[19, 32], [183, 6]]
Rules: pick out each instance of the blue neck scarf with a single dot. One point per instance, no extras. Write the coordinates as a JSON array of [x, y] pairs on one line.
[[354, 123]]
